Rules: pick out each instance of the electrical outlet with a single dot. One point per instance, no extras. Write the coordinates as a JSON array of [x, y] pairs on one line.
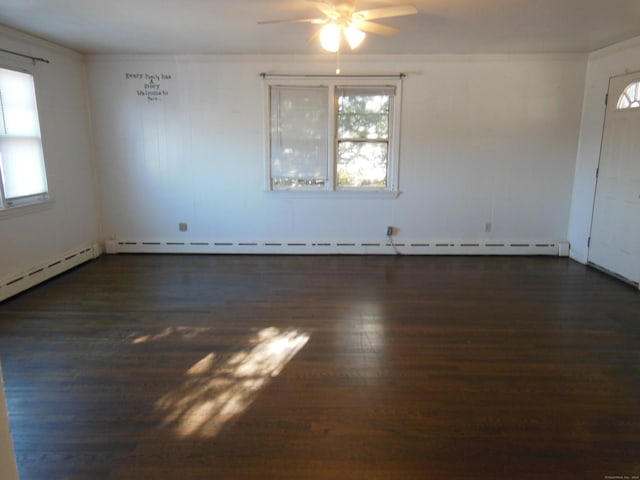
[[183, 227], [487, 227], [389, 231]]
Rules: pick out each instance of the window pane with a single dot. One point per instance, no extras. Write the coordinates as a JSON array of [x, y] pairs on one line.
[[362, 164], [21, 121], [363, 126], [630, 98], [363, 103], [299, 134], [363, 116], [624, 102], [18, 101], [22, 165]]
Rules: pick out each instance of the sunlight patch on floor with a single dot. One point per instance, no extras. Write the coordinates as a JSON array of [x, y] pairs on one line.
[[185, 332], [213, 394]]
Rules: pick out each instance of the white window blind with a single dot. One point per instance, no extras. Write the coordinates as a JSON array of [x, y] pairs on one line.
[[299, 136], [21, 159]]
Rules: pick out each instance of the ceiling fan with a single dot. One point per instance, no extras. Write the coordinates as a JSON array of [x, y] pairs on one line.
[[343, 18]]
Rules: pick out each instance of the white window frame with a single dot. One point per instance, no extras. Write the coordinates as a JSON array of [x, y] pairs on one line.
[[333, 84], [9, 204]]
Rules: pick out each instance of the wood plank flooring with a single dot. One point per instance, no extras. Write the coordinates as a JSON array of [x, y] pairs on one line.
[[314, 367]]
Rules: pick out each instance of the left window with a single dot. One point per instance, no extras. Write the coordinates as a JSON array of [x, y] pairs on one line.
[[22, 170]]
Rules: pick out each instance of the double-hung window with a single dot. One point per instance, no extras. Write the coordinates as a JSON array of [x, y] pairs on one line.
[[340, 135], [22, 172]]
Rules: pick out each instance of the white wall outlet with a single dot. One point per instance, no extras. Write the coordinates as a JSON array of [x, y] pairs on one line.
[[183, 227], [487, 227]]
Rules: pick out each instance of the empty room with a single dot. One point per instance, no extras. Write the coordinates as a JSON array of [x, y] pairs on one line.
[[294, 239]]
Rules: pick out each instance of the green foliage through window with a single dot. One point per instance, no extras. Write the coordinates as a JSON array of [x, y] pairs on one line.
[[363, 139]]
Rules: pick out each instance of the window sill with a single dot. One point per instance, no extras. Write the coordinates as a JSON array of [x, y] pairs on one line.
[[336, 194], [26, 209]]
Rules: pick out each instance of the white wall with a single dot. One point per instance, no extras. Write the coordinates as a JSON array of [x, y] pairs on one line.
[[606, 63], [484, 139], [35, 236]]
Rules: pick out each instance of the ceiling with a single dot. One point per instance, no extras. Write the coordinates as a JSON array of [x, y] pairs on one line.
[[230, 26]]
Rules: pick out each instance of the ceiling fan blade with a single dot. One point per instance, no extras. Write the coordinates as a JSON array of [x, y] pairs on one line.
[[315, 21], [377, 28], [326, 8], [387, 12]]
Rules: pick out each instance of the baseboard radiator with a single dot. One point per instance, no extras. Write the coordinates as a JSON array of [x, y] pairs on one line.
[[14, 284], [555, 248], [17, 283]]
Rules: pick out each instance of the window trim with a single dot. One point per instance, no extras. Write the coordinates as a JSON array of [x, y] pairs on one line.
[[333, 84], [27, 208], [22, 203]]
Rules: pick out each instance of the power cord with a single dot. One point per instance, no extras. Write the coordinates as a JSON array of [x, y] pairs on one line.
[[393, 244]]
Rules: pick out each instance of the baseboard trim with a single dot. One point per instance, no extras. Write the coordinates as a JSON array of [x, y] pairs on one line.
[[553, 248], [19, 282]]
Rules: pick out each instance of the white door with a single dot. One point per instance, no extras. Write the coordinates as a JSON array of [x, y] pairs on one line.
[[615, 229]]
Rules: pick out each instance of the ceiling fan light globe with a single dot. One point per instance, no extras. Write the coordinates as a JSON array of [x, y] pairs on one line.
[[354, 36], [330, 37]]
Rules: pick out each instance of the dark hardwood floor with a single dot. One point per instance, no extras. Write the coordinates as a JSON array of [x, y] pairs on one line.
[[323, 367]]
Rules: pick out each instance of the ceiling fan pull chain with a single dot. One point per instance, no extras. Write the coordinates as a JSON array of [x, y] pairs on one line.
[[338, 62]]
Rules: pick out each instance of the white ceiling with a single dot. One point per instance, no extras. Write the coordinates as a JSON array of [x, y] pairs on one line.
[[230, 26]]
